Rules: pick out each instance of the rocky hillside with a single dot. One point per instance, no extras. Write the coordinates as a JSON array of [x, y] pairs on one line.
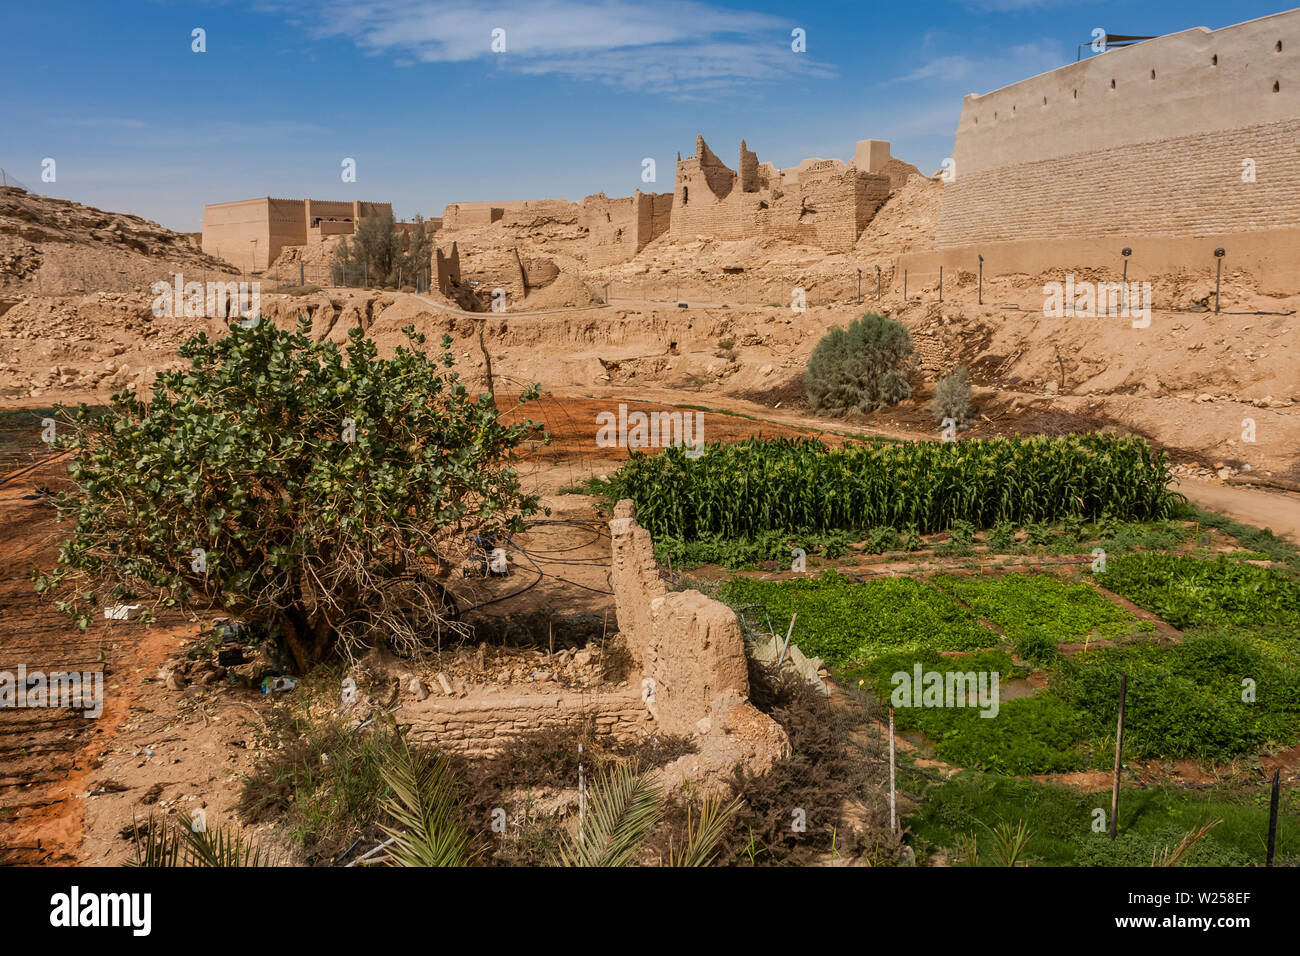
[[54, 246]]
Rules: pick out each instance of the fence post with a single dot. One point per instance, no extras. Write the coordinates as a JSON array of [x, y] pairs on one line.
[[1272, 816], [941, 283], [893, 815], [1119, 748], [981, 291], [877, 285], [859, 287]]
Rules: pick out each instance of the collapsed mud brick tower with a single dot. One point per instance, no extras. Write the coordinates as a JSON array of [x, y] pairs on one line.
[[820, 202]]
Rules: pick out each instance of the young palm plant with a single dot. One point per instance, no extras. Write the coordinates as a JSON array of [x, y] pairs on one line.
[[163, 844], [423, 808], [703, 833], [624, 805]]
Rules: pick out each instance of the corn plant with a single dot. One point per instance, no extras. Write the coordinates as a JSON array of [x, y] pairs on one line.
[[743, 489]]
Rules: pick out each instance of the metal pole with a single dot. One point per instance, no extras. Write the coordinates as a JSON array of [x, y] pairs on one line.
[[1218, 276], [904, 285], [941, 283], [859, 287], [1272, 816], [981, 288], [1119, 747], [877, 284]]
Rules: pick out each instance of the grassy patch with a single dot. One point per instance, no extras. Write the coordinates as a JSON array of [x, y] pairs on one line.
[[1024, 604], [1060, 820], [1254, 539], [1186, 700], [841, 620], [1028, 735], [1190, 592]]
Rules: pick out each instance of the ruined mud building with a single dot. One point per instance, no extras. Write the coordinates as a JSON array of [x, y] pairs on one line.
[[821, 202]]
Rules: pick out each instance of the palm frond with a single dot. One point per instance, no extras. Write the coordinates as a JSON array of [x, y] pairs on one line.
[[157, 845], [623, 806], [163, 843], [704, 832], [422, 805], [222, 847]]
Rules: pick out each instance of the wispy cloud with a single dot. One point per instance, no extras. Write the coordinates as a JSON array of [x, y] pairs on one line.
[[989, 72], [682, 47]]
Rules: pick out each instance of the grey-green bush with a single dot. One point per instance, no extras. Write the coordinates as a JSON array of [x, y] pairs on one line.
[[952, 398], [861, 368]]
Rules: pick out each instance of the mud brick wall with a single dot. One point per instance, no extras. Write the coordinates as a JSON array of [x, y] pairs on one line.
[[1148, 139], [687, 644], [828, 206], [617, 229], [1190, 185], [486, 725]]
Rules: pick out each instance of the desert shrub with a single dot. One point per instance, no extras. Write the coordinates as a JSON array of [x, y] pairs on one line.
[[312, 486], [952, 398], [382, 253], [835, 763], [860, 368]]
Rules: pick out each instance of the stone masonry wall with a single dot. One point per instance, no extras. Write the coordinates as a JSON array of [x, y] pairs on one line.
[[1150, 139], [487, 724], [1189, 185]]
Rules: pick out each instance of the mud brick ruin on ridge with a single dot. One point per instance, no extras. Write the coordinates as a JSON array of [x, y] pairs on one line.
[[821, 202], [251, 232]]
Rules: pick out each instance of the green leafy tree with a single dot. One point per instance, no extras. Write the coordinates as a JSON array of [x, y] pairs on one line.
[[383, 253], [861, 368], [312, 486]]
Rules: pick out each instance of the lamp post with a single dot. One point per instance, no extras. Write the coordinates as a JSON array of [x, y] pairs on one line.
[[1218, 276], [1125, 252]]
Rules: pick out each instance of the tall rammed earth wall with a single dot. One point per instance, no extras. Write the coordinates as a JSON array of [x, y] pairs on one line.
[[1159, 138]]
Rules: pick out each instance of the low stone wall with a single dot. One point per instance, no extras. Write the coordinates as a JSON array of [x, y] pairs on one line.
[[690, 679], [485, 725]]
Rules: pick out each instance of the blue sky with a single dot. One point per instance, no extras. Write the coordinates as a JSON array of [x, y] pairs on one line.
[[138, 122]]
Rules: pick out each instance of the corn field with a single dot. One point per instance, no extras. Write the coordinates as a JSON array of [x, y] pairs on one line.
[[754, 486]]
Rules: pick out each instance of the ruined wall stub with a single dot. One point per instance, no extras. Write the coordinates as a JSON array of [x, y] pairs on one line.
[[825, 203]]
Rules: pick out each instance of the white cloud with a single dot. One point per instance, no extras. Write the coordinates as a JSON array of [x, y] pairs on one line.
[[679, 47], [1000, 67]]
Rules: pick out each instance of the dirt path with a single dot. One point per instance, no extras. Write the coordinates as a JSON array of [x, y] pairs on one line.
[[1276, 510]]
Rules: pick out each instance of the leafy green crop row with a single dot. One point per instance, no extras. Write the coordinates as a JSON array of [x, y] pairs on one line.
[[1184, 700], [1188, 592], [1021, 604], [746, 488], [841, 620]]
